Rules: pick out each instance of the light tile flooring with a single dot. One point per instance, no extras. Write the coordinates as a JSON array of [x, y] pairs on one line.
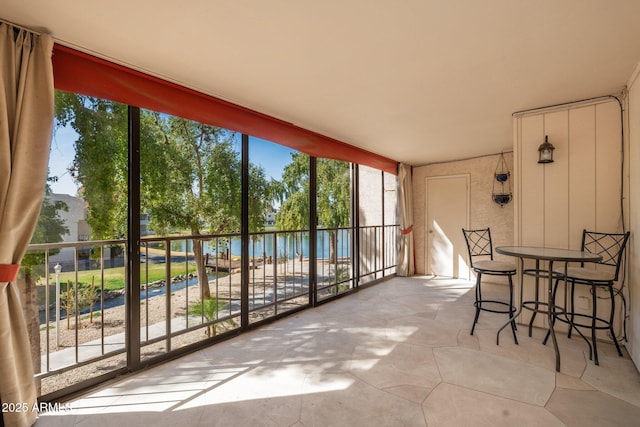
[[395, 354]]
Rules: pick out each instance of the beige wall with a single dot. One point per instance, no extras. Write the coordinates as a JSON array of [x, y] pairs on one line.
[[633, 120], [370, 196], [484, 212], [580, 190], [378, 202], [374, 186]]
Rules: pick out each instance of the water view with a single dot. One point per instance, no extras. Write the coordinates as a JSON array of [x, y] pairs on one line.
[[288, 245]]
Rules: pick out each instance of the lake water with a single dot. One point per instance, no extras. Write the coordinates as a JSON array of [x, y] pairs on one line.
[[290, 244]]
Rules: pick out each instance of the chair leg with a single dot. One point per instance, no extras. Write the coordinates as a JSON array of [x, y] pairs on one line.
[[613, 310], [477, 304], [593, 324], [572, 326]]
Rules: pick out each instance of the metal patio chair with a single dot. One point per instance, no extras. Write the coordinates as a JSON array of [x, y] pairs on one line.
[[480, 249], [602, 274]]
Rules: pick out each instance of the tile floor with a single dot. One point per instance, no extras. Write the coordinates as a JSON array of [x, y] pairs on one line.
[[395, 354]]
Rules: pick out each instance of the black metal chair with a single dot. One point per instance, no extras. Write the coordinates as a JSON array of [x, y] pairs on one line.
[[602, 274], [480, 250]]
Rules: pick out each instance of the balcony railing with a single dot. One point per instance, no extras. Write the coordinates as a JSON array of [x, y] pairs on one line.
[[83, 292]]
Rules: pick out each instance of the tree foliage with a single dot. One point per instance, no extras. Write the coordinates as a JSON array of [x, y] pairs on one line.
[[191, 176], [190, 173], [100, 162], [294, 194], [334, 193], [333, 196]]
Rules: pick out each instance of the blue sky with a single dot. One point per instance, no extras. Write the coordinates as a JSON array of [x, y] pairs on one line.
[[272, 157], [60, 158]]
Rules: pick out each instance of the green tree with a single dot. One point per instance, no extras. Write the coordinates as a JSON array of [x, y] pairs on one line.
[[191, 176], [260, 197], [190, 173], [294, 194], [100, 162], [333, 197]]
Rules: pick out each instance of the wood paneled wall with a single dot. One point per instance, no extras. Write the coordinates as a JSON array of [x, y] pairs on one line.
[[581, 189], [633, 162]]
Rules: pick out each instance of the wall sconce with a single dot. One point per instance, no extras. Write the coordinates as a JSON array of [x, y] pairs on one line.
[[545, 151]]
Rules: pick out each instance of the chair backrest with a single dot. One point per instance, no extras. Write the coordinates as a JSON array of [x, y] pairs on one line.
[[609, 245], [478, 243]]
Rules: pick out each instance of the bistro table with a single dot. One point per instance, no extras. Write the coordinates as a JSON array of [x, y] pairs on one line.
[[550, 255]]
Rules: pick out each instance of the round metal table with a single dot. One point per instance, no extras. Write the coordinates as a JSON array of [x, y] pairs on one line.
[[550, 255]]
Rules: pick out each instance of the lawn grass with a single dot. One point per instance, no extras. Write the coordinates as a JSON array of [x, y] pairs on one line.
[[114, 278]]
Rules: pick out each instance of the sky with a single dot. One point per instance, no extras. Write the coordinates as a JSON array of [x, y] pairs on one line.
[[272, 157], [60, 158]]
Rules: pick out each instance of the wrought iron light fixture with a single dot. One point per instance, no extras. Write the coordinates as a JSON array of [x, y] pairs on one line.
[[545, 151]]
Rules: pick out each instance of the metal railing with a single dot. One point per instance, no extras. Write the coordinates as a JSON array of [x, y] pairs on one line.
[[70, 310], [378, 251], [83, 289]]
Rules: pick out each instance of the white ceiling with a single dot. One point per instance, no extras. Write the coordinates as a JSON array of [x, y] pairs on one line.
[[419, 81]]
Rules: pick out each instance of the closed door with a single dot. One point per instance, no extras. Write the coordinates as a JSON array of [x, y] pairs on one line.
[[447, 213]]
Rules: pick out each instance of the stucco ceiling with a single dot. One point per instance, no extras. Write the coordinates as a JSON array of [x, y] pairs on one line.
[[419, 81]]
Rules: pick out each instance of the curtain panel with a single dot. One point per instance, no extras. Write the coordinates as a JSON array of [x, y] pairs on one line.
[[26, 121], [406, 257]]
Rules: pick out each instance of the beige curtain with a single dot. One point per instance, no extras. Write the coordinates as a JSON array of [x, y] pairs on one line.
[[406, 264], [26, 120]]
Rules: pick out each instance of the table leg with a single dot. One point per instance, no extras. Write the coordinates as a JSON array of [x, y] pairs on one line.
[[537, 299], [550, 314]]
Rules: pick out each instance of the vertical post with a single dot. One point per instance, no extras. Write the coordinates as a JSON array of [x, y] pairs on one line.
[[244, 235], [58, 270], [132, 296], [69, 309], [383, 253], [313, 232], [355, 221], [167, 275], [274, 266]]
